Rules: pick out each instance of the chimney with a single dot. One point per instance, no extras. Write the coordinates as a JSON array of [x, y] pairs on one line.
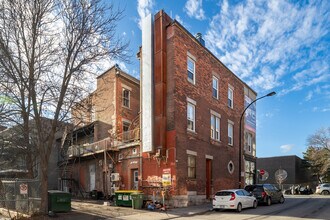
[[200, 39]]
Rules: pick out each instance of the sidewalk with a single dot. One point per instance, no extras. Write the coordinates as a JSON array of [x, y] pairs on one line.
[[96, 209], [83, 210], [169, 214]]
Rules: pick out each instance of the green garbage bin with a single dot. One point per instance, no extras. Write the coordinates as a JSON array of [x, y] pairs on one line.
[[137, 200], [59, 201], [123, 197]]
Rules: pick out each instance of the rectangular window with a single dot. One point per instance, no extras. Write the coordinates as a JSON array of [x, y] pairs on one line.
[[215, 127], [191, 70], [191, 116], [126, 98], [249, 142], [191, 166], [126, 133], [215, 84], [230, 97], [230, 133]]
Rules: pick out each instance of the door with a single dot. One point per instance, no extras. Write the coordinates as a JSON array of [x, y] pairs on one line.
[[208, 178], [135, 179], [91, 177]]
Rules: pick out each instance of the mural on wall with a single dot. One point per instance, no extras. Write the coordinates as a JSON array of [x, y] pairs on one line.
[[250, 115]]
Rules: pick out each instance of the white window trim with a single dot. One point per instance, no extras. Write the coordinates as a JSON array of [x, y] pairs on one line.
[[126, 120], [120, 156], [233, 167], [126, 87], [210, 157], [216, 78], [191, 56], [230, 88], [192, 103], [193, 81], [215, 113], [129, 98], [214, 132], [232, 135], [190, 152]]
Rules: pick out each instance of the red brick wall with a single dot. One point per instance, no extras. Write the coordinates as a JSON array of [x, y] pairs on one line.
[[123, 112], [179, 43]]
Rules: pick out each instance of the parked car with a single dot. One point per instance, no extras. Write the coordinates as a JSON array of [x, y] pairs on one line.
[[266, 193], [234, 199], [323, 189]]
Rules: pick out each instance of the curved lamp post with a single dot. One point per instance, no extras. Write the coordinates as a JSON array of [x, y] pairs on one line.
[[240, 138]]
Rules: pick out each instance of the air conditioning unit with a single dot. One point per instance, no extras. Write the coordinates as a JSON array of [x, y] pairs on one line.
[[114, 189], [115, 177]]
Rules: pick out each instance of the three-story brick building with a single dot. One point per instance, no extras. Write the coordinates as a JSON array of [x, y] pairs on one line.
[[191, 145], [103, 152]]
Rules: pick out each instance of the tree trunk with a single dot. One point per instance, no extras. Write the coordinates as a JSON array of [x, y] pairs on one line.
[[44, 185]]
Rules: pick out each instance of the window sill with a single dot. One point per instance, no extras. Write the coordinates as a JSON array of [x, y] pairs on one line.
[[214, 141], [125, 107], [191, 81], [191, 132]]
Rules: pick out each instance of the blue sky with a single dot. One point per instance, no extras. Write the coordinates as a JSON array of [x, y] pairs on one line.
[[273, 45]]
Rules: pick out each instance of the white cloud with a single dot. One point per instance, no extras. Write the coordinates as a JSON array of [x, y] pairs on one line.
[[144, 8], [273, 44], [177, 17], [195, 9], [286, 148], [309, 96]]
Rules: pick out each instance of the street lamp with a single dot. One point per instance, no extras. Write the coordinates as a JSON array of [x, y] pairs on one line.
[[240, 138]]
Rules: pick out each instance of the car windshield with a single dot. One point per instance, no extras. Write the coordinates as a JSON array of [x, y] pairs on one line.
[[249, 188], [223, 193], [258, 189]]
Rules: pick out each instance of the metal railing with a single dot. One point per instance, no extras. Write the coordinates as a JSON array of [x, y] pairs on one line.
[[105, 144]]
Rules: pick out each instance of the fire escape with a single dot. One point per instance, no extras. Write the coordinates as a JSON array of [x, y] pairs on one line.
[[104, 151]]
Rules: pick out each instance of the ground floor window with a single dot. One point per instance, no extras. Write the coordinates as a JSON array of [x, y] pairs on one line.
[[249, 172], [191, 166]]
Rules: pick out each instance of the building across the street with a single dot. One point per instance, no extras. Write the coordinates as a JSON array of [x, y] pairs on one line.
[[285, 170]]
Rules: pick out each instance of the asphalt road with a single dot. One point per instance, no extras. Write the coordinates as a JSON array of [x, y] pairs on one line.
[[295, 207]]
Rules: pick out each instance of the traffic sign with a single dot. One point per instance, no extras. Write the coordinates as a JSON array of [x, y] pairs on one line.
[[262, 172]]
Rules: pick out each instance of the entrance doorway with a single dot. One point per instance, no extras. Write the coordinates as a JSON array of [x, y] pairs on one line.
[[135, 179]]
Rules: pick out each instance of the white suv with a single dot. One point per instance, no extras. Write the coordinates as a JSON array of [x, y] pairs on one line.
[[323, 189]]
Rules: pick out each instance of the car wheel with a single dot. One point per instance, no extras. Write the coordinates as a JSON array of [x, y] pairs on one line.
[[239, 207], [325, 192], [269, 201], [282, 199], [255, 204]]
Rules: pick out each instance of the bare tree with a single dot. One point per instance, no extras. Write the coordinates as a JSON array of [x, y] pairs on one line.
[[47, 49], [318, 153]]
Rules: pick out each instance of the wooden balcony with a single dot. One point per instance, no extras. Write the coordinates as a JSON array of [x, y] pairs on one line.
[[123, 140]]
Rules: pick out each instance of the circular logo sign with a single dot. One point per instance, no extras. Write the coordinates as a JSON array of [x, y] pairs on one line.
[[262, 172]]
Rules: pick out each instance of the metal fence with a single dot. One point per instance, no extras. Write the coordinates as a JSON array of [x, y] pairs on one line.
[[20, 195]]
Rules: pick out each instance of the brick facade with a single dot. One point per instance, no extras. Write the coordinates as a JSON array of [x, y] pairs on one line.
[[173, 44], [100, 118]]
